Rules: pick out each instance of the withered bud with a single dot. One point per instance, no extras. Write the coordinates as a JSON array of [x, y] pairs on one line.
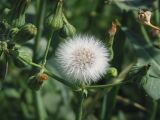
[[42, 76], [113, 29], [144, 16]]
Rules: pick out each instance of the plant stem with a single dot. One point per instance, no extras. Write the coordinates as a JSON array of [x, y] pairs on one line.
[[145, 34], [51, 74], [39, 23], [106, 86], [39, 109], [47, 49], [80, 108], [41, 114], [59, 79], [153, 110]]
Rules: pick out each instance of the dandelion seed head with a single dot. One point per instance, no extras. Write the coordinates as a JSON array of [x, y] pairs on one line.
[[82, 59]]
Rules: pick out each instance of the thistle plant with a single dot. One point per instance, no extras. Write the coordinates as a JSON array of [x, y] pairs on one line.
[[62, 64]]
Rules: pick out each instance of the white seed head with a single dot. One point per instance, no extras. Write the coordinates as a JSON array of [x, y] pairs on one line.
[[82, 59]]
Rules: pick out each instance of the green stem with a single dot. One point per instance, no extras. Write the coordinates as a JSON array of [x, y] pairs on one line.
[[110, 47], [153, 110], [39, 23], [106, 86], [60, 79], [51, 74], [157, 16], [41, 113], [103, 107], [47, 49], [80, 108], [145, 34]]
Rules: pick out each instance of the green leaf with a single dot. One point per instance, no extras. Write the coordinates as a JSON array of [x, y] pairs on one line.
[[147, 54]]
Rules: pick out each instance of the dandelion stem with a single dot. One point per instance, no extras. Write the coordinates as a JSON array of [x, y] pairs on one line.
[[59, 79], [106, 86], [80, 108]]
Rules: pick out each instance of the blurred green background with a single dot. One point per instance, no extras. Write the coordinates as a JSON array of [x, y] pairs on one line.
[[57, 102]]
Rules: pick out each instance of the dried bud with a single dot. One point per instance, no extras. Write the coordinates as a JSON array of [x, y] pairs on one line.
[[27, 32], [55, 21], [67, 30], [42, 76], [112, 72], [35, 82], [144, 16], [112, 31]]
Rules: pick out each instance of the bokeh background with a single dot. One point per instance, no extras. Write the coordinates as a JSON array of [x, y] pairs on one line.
[[58, 102]]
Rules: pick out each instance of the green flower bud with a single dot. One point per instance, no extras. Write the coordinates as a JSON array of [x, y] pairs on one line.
[[35, 82], [55, 21], [68, 30], [13, 32], [17, 14], [112, 72], [27, 32], [21, 56], [3, 46]]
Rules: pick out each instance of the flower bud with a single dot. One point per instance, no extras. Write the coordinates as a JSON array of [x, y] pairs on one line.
[[67, 30], [144, 16], [13, 32], [17, 14], [111, 32], [3, 46], [112, 72], [55, 21], [21, 56], [27, 32], [35, 82]]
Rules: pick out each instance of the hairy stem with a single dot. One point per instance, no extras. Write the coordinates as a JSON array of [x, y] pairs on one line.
[[80, 108]]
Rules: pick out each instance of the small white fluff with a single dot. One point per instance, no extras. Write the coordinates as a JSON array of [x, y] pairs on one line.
[[82, 59]]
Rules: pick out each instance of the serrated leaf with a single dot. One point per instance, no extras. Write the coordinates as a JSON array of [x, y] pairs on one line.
[[147, 54]]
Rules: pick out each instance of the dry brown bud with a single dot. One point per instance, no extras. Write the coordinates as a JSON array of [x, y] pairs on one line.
[[42, 77], [112, 31], [144, 16]]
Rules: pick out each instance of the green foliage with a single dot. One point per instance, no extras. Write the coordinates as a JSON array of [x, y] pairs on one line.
[[30, 32]]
